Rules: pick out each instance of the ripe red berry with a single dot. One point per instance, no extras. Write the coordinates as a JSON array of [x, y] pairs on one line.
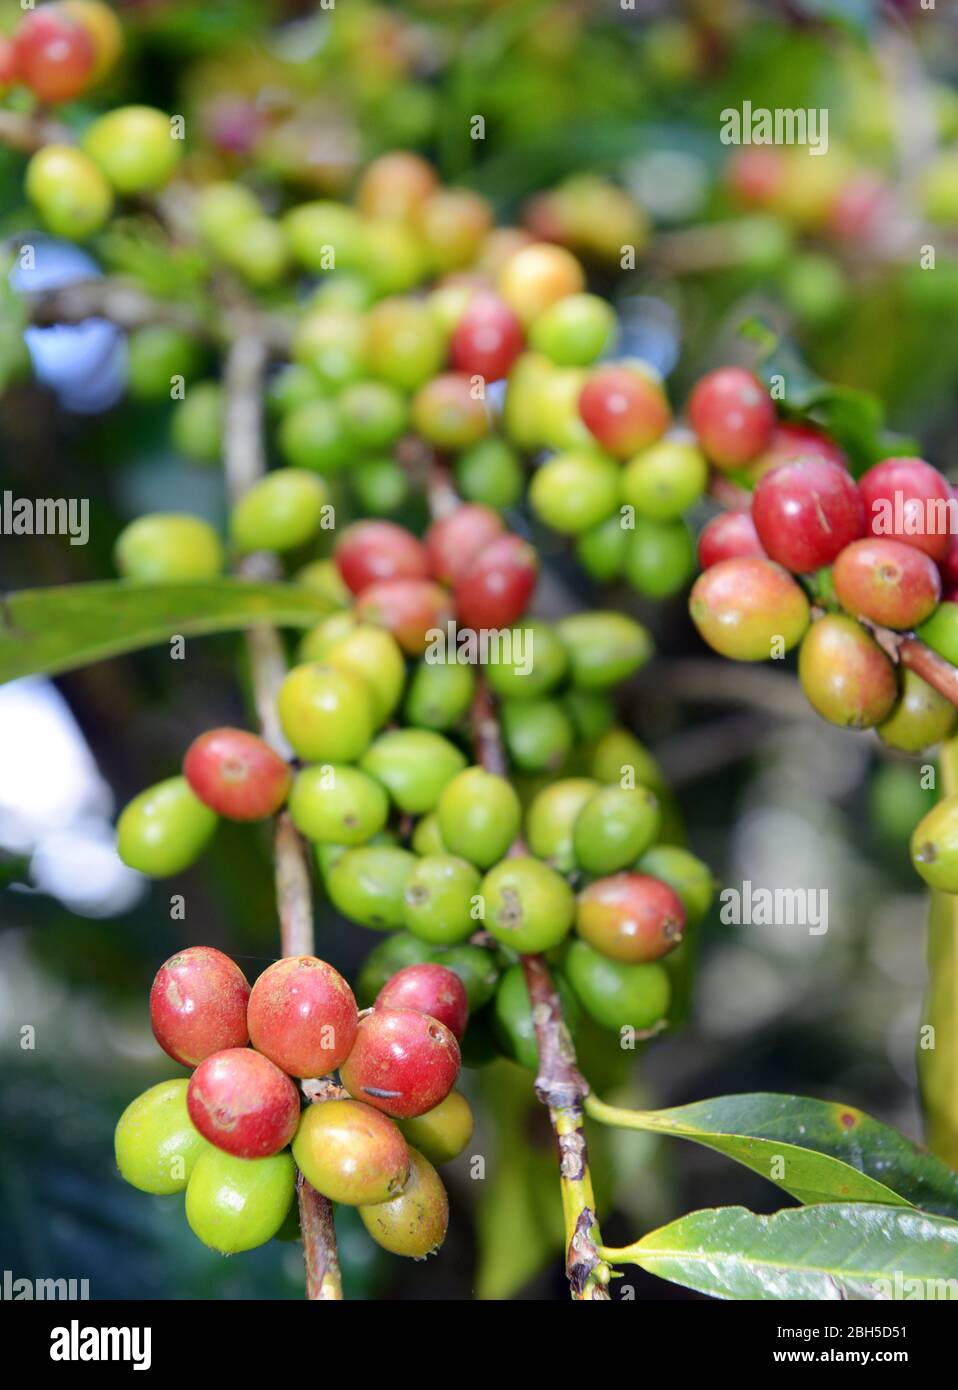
[[790, 442], [860, 208], [487, 339], [732, 415], [805, 513], [949, 565], [496, 589], [625, 408], [302, 1016], [371, 551], [198, 1005], [428, 989], [236, 774], [54, 55], [243, 1104], [908, 500], [890, 583], [726, 536], [630, 917], [408, 608], [8, 64], [455, 541], [403, 1062]]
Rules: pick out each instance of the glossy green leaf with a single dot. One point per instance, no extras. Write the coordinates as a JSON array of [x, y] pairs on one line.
[[47, 631], [832, 1251]]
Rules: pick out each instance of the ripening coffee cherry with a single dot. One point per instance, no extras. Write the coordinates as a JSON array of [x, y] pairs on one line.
[[453, 223], [551, 818], [350, 1152], [282, 511], [528, 906], [428, 989], [67, 189], [327, 714], [414, 1223], [908, 500], [368, 885], [404, 343], [241, 1102], [575, 491], [235, 1204], [728, 536], [496, 589], [403, 1062], [395, 185], [411, 609], [333, 804], [198, 1005], [845, 675], [537, 276], [104, 29], [687, 875], [487, 338], [55, 56], [538, 734], [575, 330], [479, 816], [156, 1142], [630, 917], [454, 542], [135, 147], [732, 415], [659, 557], [168, 547], [439, 898], [491, 473], [447, 413], [165, 829], [806, 512], [604, 648], [617, 995], [236, 774], [302, 1016], [920, 719], [934, 846], [439, 695], [791, 442], [665, 480], [893, 584], [514, 1028], [614, 827], [619, 755], [537, 662], [748, 608], [443, 1133], [414, 765], [625, 408]]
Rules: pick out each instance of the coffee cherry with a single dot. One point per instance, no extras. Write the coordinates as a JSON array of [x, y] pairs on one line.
[[528, 906], [630, 917], [617, 995], [624, 407], [196, 425], [368, 885], [198, 1005], [413, 1223], [496, 589], [243, 1104], [302, 1016], [404, 344], [403, 1062], [746, 608], [573, 492], [313, 436], [934, 846], [805, 513], [350, 1152], [236, 774], [447, 413], [327, 714], [235, 1204], [156, 355], [537, 276], [413, 610], [845, 675], [893, 584], [907, 500], [428, 989], [395, 186], [439, 696], [453, 223], [332, 342], [490, 473], [443, 1133], [281, 512], [619, 754], [391, 954], [574, 331], [8, 65], [135, 147], [104, 29], [55, 56], [728, 536], [374, 414], [659, 557], [615, 827], [732, 415], [164, 830], [439, 898], [592, 713], [370, 551], [790, 443], [940, 632], [374, 656], [514, 1028], [479, 816], [322, 577], [538, 734], [604, 648], [67, 189], [414, 765], [689, 877], [665, 480], [920, 719], [336, 805], [426, 838], [156, 1142], [551, 817], [381, 486], [454, 542], [601, 551], [487, 338], [537, 661], [167, 548]]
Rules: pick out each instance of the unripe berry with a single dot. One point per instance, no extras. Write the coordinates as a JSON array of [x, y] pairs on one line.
[[893, 584], [413, 1223], [312, 436], [574, 331], [282, 511], [920, 719], [630, 917], [528, 906], [447, 413], [934, 846], [155, 355], [196, 425], [368, 885], [592, 713], [664, 480], [428, 989], [156, 1142], [350, 1152], [454, 542], [479, 816], [845, 675], [572, 492], [302, 1016], [55, 56], [198, 1005], [495, 590], [619, 753], [235, 1204], [443, 1133], [688, 876], [618, 995], [439, 695], [615, 827], [537, 661], [625, 408], [414, 765], [659, 557], [374, 656], [374, 413], [438, 900], [257, 250], [732, 415], [806, 512], [165, 829], [486, 339], [746, 608], [411, 609], [908, 500], [135, 148], [68, 191], [604, 648], [243, 1104], [404, 343], [403, 1063], [327, 714], [601, 551], [337, 805], [538, 734], [537, 276], [551, 818], [491, 473], [167, 548], [940, 632], [728, 536], [236, 774]]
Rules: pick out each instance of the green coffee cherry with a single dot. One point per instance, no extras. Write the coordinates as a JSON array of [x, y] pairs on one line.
[[323, 235], [614, 828], [439, 899], [660, 557], [441, 1134], [313, 436], [920, 719], [257, 251], [374, 413], [665, 480], [551, 818], [686, 875], [282, 511], [426, 838], [513, 1024], [69, 192], [135, 147], [439, 695], [601, 551], [934, 846], [574, 331], [156, 355], [322, 577], [165, 829], [196, 426], [327, 714], [293, 386], [573, 492], [528, 906], [235, 1204], [381, 486], [333, 343], [413, 1223], [479, 816], [476, 968], [490, 472], [320, 640], [391, 954], [940, 632], [537, 661], [167, 548], [414, 765], [538, 734], [156, 1142], [619, 759], [374, 655], [337, 805], [592, 713], [368, 885], [393, 256], [616, 995], [604, 648], [220, 208]]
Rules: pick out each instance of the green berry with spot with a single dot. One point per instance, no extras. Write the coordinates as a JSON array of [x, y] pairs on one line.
[[551, 818], [335, 804], [235, 1204], [281, 512], [440, 899], [156, 1142], [368, 885], [479, 816], [528, 906], [538, 734], [934, 846], [439, 695], [616, 995], [604, 648], [165, 829], [414, 765], [615, 827], [920, 719], [169, 548], [442, 1133]]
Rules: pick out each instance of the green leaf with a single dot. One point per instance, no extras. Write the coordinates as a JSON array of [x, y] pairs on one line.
[[821, 1252], [816, 1150], [58, 629]]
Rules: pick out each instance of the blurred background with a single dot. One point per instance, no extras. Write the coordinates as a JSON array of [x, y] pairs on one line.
[[570, 90]]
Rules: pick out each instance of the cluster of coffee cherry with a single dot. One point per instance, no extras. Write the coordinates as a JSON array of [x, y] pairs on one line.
[[60, 51]]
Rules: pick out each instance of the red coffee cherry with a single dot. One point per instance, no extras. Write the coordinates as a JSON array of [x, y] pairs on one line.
[[487, 339], [791, 442], [949, 565], [408, 608], [236, 774], [372, 551], [726, 536], [806, 512], [908, 500], [496, 589], [745, 607], [302, 1015], [447, 413], [428, 989], [198, 1005], [403, 1063], [630, 917], [8, 64], [732, 415], [455, 541], [55, 56], [625, 408], [243, 1104], [890, 583], [859, 208]]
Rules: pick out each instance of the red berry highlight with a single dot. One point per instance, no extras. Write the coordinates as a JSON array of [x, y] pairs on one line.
[[487, 339], [496, 589], [732, 415], [726, 536], [198, 1005], [243, 1104], [54, 55], [908, 500], [624, 408], [403, 1062], [454, 542], [237, 774], [806, 512], [428, 989], [372, 551], [302, 1015]]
